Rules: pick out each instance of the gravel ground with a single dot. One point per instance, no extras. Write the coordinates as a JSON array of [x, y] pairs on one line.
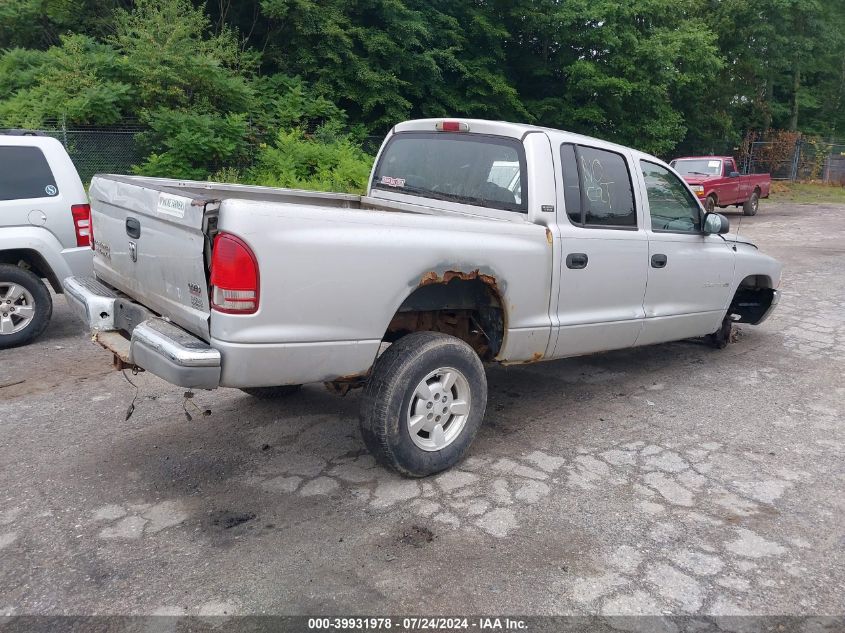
[[669, 479]]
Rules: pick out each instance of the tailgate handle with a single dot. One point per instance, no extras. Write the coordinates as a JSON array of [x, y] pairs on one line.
[[133, 228]]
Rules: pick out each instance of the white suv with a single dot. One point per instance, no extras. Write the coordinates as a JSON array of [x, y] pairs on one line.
[[44, 231]]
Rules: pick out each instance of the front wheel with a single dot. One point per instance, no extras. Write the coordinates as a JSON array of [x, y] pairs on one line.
[[752, 204], [710, 204], [25, 306], [424, 403], [721, 337]]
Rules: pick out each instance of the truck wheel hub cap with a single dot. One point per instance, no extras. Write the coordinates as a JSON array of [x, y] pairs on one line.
[[438, 409], [17, 308]]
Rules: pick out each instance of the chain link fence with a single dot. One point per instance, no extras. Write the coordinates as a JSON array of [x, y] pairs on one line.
[[805, 159], [95, 149]]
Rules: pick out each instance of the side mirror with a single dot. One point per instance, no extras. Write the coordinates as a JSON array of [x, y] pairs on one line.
[[716, 224], [733, 174]]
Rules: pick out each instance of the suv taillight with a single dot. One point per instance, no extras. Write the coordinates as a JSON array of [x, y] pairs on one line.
[[234, 276], [82, 223]]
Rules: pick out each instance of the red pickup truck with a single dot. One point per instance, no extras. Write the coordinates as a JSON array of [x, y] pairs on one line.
[[716, 181]]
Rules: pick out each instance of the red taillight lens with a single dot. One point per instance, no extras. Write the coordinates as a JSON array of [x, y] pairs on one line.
[[82, 223], [451, 126], [234, 276]]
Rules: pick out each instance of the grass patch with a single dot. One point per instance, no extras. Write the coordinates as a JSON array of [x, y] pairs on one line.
[[807, 192]]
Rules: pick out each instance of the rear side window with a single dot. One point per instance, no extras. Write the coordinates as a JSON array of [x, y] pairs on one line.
[[24, 173], [597, 188], [486, 171]]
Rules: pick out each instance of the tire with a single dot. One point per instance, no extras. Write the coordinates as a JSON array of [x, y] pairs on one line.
[[752, 204], [25, 306], [721, 337], [448, 373], [710, 204], [271, 393]]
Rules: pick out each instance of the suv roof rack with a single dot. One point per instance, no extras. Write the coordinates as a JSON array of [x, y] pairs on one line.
[[13, 132]]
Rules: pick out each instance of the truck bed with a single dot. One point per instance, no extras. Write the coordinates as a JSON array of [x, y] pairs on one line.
[[153, 236]]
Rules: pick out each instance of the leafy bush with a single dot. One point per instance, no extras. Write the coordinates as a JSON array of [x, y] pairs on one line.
[[307, 162], [190, 145]]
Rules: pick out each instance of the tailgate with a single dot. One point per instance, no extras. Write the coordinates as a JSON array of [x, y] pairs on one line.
[[151, 244]]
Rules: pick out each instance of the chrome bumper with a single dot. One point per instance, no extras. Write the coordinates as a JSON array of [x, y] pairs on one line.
[[155, 344]]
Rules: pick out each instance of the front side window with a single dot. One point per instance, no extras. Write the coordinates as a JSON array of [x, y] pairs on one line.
[[24, 173], [486, 171], [671, 205], [597, 188]]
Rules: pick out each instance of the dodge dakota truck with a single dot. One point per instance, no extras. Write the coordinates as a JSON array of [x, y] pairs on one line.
[[716, 181], [477, 242]]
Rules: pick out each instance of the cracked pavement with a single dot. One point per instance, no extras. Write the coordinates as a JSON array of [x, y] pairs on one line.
[[669, 479]]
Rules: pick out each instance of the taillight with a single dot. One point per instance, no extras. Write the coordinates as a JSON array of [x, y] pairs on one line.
[[234, 276], [82, 223], [451, 126]]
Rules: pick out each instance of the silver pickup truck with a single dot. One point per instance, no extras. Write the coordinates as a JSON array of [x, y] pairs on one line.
[[477, 242]]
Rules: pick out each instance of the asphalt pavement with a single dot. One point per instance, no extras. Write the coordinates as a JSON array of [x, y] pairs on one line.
[[669, 479]]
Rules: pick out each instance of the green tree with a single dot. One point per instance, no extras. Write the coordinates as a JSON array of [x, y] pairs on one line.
[[79, 80], [41, 23], [190, 85], [386, 60], [617, 69]]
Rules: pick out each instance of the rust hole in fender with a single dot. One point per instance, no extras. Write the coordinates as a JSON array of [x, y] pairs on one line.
[[431, 277]]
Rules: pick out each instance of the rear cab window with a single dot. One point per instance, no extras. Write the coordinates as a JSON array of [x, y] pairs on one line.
[[25, 174], [597, 187], [475, 169]]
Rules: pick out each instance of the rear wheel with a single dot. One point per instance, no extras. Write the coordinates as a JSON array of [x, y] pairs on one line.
[[25, 306], [424, 403], [271, 393], [752, 204]]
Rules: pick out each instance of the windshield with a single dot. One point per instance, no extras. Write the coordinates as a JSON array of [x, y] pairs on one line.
[[698, 166], [486, 171]]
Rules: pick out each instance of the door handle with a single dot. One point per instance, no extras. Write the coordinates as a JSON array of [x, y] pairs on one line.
[[659, 260], [576, 260], [133, 228]]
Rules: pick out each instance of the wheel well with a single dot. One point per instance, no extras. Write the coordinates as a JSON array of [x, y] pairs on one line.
[[753, 297], [31, 260], [465, 305]]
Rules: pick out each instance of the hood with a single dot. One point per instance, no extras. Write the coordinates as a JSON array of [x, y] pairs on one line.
[[696, 179], [732, 237]]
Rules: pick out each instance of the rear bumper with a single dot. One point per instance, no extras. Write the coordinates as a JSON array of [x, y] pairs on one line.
[[154, 344], [79, 260]]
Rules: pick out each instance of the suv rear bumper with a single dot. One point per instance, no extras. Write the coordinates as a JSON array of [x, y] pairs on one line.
[[154, 344]]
